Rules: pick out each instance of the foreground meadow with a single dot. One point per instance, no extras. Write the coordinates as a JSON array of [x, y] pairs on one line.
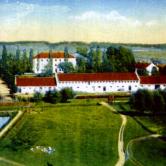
[[79, 133]]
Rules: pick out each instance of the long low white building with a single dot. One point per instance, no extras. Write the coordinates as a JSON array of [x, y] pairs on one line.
[[29, 85], [79, 82], [90, 82], [99, 82]]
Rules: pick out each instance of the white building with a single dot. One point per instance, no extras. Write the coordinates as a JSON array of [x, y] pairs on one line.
[[80, 82], [148, 67], [29, 85], [153, 82], [45, 60], [98, 82]]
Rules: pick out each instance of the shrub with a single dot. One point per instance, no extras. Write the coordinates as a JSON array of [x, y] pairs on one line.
[[52, 97], [66, 93], [37, 97]]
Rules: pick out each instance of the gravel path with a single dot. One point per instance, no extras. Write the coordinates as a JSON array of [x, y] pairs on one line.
[[4, 91], [121, 153]]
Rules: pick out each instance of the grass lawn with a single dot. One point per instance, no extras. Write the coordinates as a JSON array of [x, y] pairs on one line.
[[82, 133], [150, 152], [153, 154]]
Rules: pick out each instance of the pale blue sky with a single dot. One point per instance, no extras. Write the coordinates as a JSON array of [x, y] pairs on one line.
[[136, 21]]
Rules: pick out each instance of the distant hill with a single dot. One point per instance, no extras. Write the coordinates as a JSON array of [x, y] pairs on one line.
[[39, 46]]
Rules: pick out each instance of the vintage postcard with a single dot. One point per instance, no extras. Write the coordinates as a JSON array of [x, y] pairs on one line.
[[82, 82]]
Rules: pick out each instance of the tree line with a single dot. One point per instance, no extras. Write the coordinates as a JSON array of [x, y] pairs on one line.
[[54, 96], [112, 59], [14, 64], [151, 101]]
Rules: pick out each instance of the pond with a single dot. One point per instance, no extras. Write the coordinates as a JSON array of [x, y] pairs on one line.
[[3, 121]]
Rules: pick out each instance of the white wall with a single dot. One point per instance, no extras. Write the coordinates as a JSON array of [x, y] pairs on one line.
[[100, 86], [152, 86], [150, 67], [40, 64], [33, 89]]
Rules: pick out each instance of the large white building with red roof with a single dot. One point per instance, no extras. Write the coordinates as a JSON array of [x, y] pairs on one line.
[[79, 82], [90, 82], [45, 60]]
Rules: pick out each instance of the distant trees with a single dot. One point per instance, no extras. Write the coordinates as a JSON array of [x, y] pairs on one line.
[[120, 59], [12, 64], [81, 64], [66, 67], [112, 59], [152, 101], [82, 51]]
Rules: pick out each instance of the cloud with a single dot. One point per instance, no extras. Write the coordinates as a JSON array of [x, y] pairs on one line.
[[152, 23], [19, 10], [113, 17], [93, 15]]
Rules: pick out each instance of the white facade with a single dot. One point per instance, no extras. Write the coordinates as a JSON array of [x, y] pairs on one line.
[[34, 89], [99, 86], [42, 63], [149, 68], [153, 86]]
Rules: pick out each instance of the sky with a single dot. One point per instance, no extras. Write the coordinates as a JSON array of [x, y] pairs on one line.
[[117, 21]]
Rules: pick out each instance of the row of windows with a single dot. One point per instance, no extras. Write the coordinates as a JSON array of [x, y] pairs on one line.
[[54, 60], [72, 82]]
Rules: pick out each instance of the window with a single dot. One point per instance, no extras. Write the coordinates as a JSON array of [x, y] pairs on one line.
[[104, 88]]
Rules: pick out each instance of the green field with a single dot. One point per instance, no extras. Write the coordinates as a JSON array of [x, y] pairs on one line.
[[82, 133], [150, 151], [150, 54]]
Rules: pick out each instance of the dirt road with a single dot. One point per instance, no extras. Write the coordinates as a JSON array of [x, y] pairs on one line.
[[121, 153]]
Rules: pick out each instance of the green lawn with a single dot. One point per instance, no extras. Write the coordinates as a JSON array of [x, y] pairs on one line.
[[81, 132], [150, 152], [153, 154]]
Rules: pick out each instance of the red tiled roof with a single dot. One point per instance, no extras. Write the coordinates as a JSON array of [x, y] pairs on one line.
[[153, 79], [35, 81], [53, 55], [141, 65], [97, 77]]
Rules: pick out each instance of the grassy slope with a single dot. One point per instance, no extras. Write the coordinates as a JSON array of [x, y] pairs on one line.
[[82, 133], [151, 152]]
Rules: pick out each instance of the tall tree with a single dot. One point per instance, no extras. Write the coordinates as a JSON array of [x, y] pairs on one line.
[[31, 56], [4, 55], [17, 53], [66, 53], [81, 64], [98, 58]]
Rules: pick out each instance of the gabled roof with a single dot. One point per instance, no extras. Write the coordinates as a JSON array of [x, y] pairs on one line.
[[52, 55], [35, 81], [153, 79], [141, 65], [97, 77]]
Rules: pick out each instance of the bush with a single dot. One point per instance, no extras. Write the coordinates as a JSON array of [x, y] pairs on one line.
[[66, 93], [145, 100], [52, 97], [37, 97]]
